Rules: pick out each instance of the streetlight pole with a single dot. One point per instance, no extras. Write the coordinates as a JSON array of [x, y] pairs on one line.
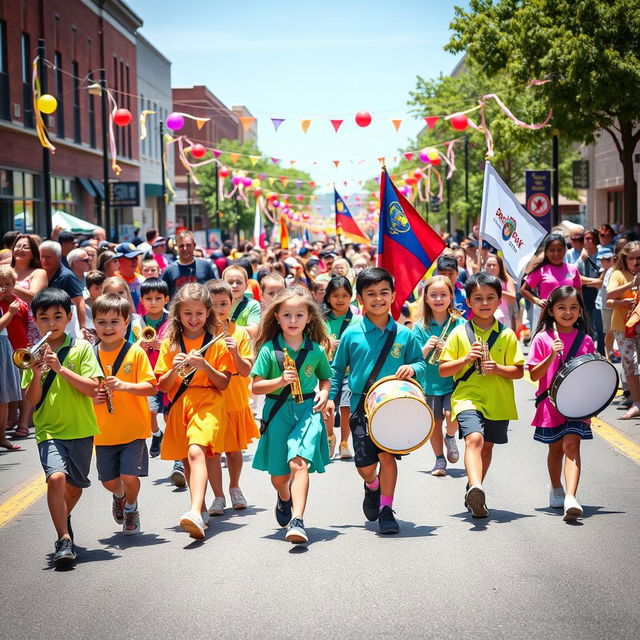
[[218, 205], [46, 157], [556, 179], [466, 183], [163, 199], [189, 215], [105, 154], [449, 206]]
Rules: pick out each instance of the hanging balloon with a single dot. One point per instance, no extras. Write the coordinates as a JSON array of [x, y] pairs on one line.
[[175, 121], [255, 183], [435, 162], [363, 118], [223, 172], [417, 174], [432, 154], [122, 117], [247, 182], [459, 121], [275, 203], [47, 103], [236, 180], [423, 156], [198, 151], [257, 192]]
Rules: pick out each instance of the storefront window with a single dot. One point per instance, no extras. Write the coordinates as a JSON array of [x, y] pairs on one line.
[[19, 199]]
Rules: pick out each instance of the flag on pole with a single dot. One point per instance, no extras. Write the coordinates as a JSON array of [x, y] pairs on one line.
[[259, 234], [284, 233], [506, 225], [407, 245], [345, 224], [306, 239]]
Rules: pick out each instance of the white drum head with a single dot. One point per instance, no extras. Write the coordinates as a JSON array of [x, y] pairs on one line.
[[401, 425], [586, 390]]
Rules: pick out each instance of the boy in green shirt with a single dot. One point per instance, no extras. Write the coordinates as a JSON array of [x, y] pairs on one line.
[[60, 387], [484, 357]]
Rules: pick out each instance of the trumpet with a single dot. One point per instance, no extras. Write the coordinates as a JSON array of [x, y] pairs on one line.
[[296, 389], [436, 352], [185, 368], [146, 334], [27, 358], [485, 356]]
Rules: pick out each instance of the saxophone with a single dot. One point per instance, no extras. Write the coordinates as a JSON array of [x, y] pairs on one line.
[[296, 389]]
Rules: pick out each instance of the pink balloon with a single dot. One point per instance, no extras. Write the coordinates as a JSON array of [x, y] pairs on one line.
[[424, 157], [247, 182], [236, 180], [275, 203], [175, 121]]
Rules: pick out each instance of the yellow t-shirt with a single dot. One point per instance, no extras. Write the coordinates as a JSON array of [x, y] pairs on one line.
[[619, 315], [492, 395], [131, 417], [217, 356]]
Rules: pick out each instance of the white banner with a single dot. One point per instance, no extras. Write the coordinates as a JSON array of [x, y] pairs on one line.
[[506, 225]]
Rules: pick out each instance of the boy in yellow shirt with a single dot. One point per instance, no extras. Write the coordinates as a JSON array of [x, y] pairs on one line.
[[122, 410], [483, 401]]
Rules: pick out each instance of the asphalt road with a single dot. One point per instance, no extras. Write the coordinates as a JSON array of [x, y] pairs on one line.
[[522, 573]]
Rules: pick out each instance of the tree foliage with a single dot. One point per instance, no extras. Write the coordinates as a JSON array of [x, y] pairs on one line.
[[589, 48]]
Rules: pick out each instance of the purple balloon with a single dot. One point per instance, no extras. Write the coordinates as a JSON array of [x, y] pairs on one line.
[[276, 203], [175, 121], [247, 182], [424, 157], [236, 180]]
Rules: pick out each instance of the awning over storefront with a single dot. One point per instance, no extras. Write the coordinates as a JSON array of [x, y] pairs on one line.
[[71, 223], [99, 188], [152, 190], [88, 186]]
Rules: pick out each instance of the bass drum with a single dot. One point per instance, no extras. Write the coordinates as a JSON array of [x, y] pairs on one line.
[[398, 415], [584, 386]]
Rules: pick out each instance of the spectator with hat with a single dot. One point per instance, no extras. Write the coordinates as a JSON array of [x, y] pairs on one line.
[[159, 252], [128, 270]]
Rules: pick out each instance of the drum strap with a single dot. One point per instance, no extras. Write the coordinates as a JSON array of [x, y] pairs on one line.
[[345, 323], [119, 358], [377, 367], [283, 396], [472, 338], [50, 377], [239, 309], [577, 342]]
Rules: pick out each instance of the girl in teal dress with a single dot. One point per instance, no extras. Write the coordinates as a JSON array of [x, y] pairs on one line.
[[294, 440]]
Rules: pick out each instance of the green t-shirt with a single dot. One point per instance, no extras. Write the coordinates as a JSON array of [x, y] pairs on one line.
[[334, 323], [249, 315], [492, 395], [67, 414], [315, 366]]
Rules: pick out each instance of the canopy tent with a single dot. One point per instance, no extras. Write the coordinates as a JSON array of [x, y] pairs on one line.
[[61, 219]]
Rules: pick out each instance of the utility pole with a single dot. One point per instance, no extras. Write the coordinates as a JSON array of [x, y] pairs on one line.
[[218, 206], [46, 155], [466, 183], [189, 214], [555, 193], [105, 154], [163, 199], [449, 206]]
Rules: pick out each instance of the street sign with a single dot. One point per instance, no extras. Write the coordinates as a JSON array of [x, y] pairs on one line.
[[125, 194], [435, 204], [580, 174], [538, 196]]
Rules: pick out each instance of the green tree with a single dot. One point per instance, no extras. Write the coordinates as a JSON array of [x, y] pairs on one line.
[[589, 48], [234, 213]]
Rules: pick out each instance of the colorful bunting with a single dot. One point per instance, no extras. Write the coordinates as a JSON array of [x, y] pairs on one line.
[[305, 125], [234, 157], [337, 163], [246, 121], [254, 160], [277, 122], [396, 124], [336, 124], [431, 121]]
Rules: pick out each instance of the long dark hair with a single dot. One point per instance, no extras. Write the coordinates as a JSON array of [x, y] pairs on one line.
[[35, 250], [546, 322], [540, 261], [337, 282]]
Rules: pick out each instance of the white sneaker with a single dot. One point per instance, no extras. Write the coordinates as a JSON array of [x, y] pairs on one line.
[[217, 506], [556, 497], [192, 523], [344, 451], [238, 501], [572, 509]]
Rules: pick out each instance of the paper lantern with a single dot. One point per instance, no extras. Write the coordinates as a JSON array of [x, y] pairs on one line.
[[432, 154], [122, 117], [198, 151], [459, 121], [223, 172], [175, 121], [47, 103], [363, 118]]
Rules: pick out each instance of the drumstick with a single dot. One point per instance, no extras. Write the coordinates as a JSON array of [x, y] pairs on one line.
[[556, 335]]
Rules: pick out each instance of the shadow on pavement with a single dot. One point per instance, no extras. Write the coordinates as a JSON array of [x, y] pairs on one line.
[[217, 526], [587, 510], [495, 515], [315, 534], [84, 556], [120, 541], [453, 473]]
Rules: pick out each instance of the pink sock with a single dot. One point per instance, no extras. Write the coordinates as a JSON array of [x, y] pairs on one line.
[[373, 485], [386, 501]]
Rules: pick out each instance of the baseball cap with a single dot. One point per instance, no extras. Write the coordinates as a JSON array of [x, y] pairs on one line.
[[128, 250], [158, 241], [66, 236], [604, 252]]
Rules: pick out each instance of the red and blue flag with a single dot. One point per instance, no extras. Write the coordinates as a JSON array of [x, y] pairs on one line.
[[407, 245], [345, 224]]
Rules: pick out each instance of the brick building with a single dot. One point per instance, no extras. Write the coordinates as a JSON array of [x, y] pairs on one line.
[[80, 38]]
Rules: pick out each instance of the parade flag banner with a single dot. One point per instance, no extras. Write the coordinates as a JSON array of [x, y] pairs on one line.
[[345, 224], [506, 225], [259, 233], [407, 245], [284, 233]]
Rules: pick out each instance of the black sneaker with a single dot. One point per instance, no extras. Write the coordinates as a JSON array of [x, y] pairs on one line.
[[371, 503], [296, 532], [386, 521], [69, 529], [117, 509], [154, 449], [283, 511], [64, 552]]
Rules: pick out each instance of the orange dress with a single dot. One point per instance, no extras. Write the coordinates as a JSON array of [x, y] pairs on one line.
[[241, 426], [198, 416]]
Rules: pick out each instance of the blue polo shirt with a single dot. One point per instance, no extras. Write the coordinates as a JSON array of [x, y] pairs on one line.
[[359, 348]]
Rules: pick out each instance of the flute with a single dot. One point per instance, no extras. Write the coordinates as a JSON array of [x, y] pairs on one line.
[[556, 335]]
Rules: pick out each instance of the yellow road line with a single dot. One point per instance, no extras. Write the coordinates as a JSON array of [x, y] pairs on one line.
[[23, 499], [608, 432]]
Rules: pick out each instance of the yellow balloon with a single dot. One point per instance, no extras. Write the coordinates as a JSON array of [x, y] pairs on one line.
[[47, 103], [432, 153], [255, 183]]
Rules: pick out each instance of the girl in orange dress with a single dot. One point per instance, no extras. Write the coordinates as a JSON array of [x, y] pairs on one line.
[[241, 426], [195, 419]]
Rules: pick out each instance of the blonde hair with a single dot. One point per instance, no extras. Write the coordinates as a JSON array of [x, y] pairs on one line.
[[192, 291], [237, 268], [117, 281], [269, 327], [427, 314], [8, 272]]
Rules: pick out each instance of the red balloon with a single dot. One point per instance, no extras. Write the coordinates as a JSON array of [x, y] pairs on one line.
[[363, 118], [410, 181], [459, 121], [198, 151], [257, 192], [122, 117], [417, 174], [223, 172], [435, 162]]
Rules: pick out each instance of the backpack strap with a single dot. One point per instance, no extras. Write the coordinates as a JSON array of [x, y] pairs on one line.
[[472, 338], [240, 308], [345, 323], [50, 377], [124, 349]]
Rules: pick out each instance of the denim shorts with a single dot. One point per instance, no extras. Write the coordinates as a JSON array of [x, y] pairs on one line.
[[494, 431], [115, 460], [155, 402], [71, 457]]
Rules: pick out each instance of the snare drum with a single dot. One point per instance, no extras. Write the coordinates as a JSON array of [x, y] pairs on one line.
[[584, 386], [398, 415]]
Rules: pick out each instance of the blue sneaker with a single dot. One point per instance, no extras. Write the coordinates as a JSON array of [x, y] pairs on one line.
[[156, 441], [283, 511], [177, 475]]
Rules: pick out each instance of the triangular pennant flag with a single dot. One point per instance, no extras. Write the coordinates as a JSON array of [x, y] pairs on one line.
[[394, 159], [200, 122], [337, 163], [431, 121], [312, 184], [298, 184], [381, 159], [275, 160], [336, 124], [246, 121], [217, 153], [396, 124], [271, 181], [234, 157], [345, 184], [284, 180], [292, 162], [277, 122], [305, 125], [254, 160], [408, 156]]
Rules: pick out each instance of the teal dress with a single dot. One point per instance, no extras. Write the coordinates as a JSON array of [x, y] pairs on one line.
[[295, 430]]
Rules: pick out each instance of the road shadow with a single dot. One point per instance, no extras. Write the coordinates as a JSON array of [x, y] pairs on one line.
[[120, 542], [215, 528], [587, 511], [315, 534], [495, 515], [167, 481], [408, 529], [237, 513], [453, 473], [5, 466], [84, 556]]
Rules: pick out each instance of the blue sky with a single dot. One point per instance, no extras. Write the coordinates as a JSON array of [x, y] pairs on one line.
[[316, 60]]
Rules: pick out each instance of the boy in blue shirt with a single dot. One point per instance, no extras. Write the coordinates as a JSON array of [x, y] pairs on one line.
[[448, 266], [361, 345]]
